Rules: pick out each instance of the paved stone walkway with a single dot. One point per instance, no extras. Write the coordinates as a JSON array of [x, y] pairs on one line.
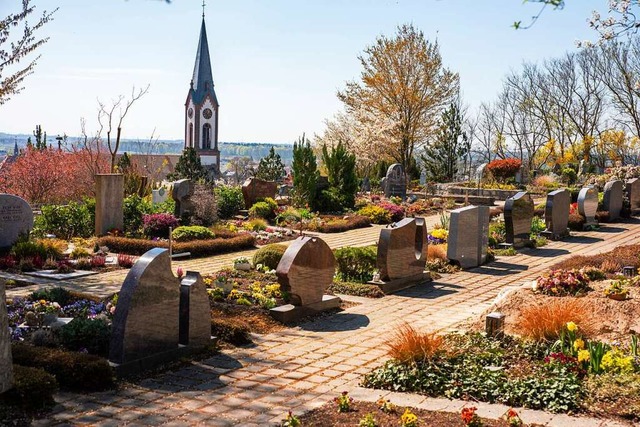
[[301, 368]]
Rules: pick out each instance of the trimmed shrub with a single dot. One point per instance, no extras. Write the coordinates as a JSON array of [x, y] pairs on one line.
[[502, 169], [256, 224], [60, 295], [67, 221], [73, 371], [376, 214], [351, 223], [196, 247], [193, 232], [84, 333], [569, 176], [265, 208], [269, 255], [232, 331], [33, 388], [157, 225], [355, 264], [229, 200], [576, 222], [356, 289]]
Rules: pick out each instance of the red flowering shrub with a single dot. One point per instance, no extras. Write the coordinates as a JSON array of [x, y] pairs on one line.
[[126, 261], [157, 225], [502, 169], [563, 282], [396, 211]]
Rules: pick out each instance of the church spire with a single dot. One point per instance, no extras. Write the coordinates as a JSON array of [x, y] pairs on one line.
[[202, 74]]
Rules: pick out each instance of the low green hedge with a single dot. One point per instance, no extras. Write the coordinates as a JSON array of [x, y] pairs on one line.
[[196, 247], [73, 371], [33, 388], [269, 255], [356, 264], [353, 222], [356, 289], [193, 232], [231, 331]]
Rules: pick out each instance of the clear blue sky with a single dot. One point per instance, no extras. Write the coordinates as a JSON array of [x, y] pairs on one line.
[[277, 63]]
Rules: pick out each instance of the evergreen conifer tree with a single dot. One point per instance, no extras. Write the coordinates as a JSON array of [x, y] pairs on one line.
[[305, 171], [341, 171], [188, 166], [271, 167]]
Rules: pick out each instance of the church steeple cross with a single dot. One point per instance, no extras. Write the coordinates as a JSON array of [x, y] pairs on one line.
[[203, 5]]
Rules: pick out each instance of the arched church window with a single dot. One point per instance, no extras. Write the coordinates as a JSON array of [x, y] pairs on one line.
[[206, 136], [190, 134]]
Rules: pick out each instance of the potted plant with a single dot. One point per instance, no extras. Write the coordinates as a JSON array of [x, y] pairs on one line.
[[617, 291], [242, 263]]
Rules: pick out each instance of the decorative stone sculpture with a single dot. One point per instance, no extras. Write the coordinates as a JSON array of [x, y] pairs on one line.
[[402, 255], [395, 182], [182, 191], [588, 206], [305, 271], [556, 214], [146, 319], [6, 366], [469, 236], [613, 198], [633, 193], [518, 213], [195, 311], [16, 218], [254, 189], [109, 203]]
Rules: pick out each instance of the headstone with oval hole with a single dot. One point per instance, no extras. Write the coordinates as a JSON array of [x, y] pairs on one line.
[[556, 214], [518, 213], [613, 198], [402, 255], [394, 183], [588, 206], [195, 311], [468, 239], [16, 218], [305, 272], [632, 188], [254, 189], [6, 366], [145, 323]]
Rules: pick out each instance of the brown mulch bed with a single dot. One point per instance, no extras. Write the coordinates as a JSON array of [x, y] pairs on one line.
[[611, 261], [328, 415], [335, 223]]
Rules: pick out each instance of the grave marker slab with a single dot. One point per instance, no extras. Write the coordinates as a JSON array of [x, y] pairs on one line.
[[182, 191], [305, 272], [395, 182], [613, 198], [195, 311], [588, 205], [16, 218], [556, 214], [518, 213], [109, 203], [469, 236], [6, 366], [633, 193], [402, 255], [146, 319], [159, 196], [254, 189]]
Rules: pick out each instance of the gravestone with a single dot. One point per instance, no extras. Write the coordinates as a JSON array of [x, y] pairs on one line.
[[394, 184], [305, 272], [159, 196], [480, 172], [633, 193], [182, 192], [423, 177], [556, 214], [16, 218], [254, 189], [588, 206], [613, 198], [109, 203], [468, 236], [366, 185], [518, 213], [195, 311], [402, 255], [6, 366], [145, 323]]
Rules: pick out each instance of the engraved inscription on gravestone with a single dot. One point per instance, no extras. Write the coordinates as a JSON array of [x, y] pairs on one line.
[[588, 205], [469, 236], [6, 366], [395, 183], [556, 214], [633, 193], [518, 213], [613, 198], [16, 218]]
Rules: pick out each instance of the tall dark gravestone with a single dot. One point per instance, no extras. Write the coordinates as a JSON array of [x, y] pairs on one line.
[[395, 182], [469, 236], [518, 213], [195, 311], [633, 193], [254, 189], [181, 193], [16, 218], [6, 366], [556, 214], [146, 319], [402, 255], [613, 198], [588, 206], [305, 272]]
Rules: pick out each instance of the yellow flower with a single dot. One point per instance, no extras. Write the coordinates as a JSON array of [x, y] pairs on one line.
[[578, 344], [583, 356], [571, 326], [408, 418]]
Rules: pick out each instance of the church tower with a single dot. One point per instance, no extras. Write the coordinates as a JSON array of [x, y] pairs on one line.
[[201, 109]]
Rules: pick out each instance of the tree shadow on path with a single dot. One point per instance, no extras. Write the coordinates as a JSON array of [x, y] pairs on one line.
[[546, 252], [499, 268], [342, 321]]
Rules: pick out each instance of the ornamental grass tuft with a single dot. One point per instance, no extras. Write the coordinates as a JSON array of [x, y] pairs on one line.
[[410, 346], [546, 322]]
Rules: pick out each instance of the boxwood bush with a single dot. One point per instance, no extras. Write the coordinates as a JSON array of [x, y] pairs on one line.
[[356, 264], [196, 248], [269, 255], [33, 388], [193, 232]]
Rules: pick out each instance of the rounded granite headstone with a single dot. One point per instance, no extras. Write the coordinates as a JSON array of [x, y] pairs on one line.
[[613, 198], [16, 218], [588, 203]]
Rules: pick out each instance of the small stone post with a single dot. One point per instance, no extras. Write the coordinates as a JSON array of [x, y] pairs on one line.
[[495, 324]]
